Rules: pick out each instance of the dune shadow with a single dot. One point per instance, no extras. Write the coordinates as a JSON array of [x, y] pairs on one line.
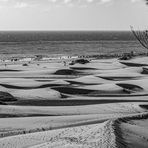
[[67, 72], [133, 64], [83, 68], [31, 87], [130, 88], [129, 91], [3, 103], [144, 106], [69, 102], [81, 83], [118, 78], [9, 70], [6, 97], [144, 71], [7, 115]]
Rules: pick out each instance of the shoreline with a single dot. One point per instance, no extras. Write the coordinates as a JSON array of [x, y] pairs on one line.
[[58, 57]]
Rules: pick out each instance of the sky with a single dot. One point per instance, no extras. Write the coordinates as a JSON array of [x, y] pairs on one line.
[[73, 14]]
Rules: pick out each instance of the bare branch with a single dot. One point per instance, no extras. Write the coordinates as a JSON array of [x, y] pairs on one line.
[[141, 36]]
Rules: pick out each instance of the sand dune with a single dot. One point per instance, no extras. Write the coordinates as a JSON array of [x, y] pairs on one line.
[[103, 104]]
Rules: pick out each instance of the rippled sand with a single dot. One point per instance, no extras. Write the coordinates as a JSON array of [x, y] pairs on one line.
[[103, 104]]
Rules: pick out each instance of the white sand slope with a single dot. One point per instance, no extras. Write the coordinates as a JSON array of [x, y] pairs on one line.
[[96, 135], [100, 104]]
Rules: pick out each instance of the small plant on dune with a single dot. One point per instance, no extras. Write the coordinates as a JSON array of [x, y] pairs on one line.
[[25, 64]]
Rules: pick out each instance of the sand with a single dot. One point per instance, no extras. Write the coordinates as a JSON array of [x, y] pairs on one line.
[[102, 103]]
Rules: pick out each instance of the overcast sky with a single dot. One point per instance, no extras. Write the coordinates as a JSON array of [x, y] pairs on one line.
[[72, 14]]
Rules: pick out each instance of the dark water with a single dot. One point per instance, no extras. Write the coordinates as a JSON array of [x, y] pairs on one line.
[[79, 42], [64, 36]]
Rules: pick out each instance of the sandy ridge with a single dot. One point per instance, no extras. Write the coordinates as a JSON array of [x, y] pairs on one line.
[[95, 135]]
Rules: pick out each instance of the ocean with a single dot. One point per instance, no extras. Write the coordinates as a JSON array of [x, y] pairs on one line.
[[18, 43]]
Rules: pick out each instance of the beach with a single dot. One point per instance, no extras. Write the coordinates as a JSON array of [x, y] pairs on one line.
[[49, 103], [73, 74]]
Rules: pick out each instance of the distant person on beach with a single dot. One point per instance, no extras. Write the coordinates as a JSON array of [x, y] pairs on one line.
[[132, 53], [64, 63]]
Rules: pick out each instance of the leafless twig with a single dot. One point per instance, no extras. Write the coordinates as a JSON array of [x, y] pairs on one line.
[[141, 36]]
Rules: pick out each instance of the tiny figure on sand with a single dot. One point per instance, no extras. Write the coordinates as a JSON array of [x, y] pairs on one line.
[[64, 63]]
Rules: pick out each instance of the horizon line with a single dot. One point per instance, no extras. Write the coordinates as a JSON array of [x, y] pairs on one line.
[[63, 30]]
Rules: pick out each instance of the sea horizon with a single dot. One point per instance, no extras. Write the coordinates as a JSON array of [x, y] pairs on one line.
[[67, 43]]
